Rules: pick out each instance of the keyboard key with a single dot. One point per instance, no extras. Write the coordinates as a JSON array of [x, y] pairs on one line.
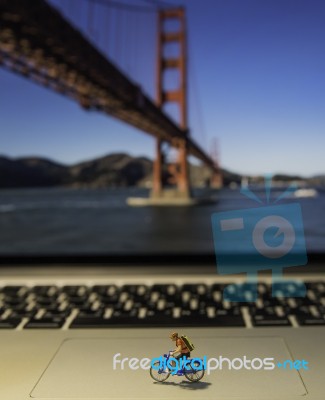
[[263, 311], [75, 290], [108, 300], [310, 320], [12, 303], [321, 309], [11, 290], [95, 322], [105, 290], [22, 314], [9, 323], [166, 289], [45, 290], [54, 314], [56, 308], [157, 321], [78, 301], [45, 323], [269, 320], [92, 314], [227, 312], [199, 288], [49, 302]]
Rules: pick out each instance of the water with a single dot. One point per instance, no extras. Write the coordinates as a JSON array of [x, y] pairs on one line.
[[98, 221]]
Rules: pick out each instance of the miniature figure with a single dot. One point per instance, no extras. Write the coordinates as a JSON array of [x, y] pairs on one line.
[[163, 366], [181, 347]]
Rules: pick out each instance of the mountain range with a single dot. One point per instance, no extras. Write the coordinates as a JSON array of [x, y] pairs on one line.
[[113, 170]]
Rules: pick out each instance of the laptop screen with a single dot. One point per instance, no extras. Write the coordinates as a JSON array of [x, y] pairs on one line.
[[77, 175]]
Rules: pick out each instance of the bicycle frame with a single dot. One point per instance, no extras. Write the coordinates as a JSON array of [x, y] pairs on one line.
[[181, 371], [179, 367]]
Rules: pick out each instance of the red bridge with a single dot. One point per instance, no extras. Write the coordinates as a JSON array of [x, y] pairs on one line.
[[38, 42]]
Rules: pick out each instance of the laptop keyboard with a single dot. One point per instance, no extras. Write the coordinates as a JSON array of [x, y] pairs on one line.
[[160, 305]]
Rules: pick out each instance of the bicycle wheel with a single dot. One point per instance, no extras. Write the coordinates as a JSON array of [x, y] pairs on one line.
[[159, 375], [192, 374]]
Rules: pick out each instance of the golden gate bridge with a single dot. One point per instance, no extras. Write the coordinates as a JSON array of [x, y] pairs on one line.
[[41, 40]]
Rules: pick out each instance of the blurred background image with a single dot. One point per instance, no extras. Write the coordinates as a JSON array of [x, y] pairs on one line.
[[105, 101]]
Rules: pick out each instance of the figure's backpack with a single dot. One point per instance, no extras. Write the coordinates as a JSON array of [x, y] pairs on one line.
[[190, 346]]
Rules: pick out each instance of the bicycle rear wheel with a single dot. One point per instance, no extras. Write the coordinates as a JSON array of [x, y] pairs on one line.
[[159, 375], [193, 374]]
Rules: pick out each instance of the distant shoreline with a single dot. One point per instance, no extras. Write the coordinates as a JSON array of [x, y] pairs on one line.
[[118, 170]]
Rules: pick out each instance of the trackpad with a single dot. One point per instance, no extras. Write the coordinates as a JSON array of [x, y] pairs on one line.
[[83, 368]]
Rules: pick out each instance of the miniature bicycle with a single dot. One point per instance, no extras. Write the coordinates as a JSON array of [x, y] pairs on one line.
[[192, 374]]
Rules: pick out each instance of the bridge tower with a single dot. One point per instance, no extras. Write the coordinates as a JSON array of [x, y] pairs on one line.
[[179, 170], [216, 180]]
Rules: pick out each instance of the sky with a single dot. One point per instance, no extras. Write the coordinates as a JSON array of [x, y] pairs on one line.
[[256, 83]]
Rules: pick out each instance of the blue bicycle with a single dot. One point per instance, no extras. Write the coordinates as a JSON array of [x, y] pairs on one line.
[[193, 372]]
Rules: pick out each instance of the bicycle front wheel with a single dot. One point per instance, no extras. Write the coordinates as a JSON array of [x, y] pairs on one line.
[[194, 374], [159, 375]]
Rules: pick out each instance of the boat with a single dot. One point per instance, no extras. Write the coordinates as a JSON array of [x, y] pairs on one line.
[[305, 192]]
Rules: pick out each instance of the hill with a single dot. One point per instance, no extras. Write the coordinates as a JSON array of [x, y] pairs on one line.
[[112, 170]]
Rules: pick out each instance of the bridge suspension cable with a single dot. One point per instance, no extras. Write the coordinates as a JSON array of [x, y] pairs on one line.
[[197, 105]]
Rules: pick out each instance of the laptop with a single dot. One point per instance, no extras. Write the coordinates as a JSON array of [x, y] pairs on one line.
[[78, 327], [93, 291]]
